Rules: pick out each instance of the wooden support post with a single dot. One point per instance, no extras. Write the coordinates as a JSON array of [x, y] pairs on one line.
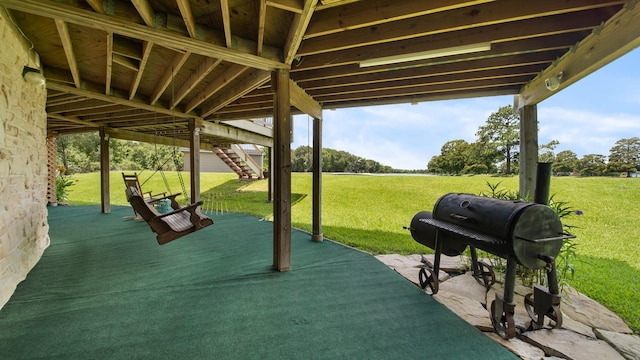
[[281, 171], [105, 196], [317, 180], [194, 160], [270, 176], [528, 150]]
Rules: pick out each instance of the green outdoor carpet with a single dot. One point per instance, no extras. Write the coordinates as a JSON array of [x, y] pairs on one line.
[[104, 289]]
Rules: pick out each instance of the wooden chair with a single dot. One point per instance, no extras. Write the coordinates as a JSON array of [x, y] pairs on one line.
[[172, 225]]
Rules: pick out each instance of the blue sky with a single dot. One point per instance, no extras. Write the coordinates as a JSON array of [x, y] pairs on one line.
[[587, 117]]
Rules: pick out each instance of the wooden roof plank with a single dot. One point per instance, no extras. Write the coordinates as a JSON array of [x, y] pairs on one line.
[[187, 16], [619, 35], [216, 85], [459, 19], [354, 16], [226, 21], [67, 13], [145, 10], [252, 80], [67, 44], [262, 16], [201, 73], [143, 64], [169, 75], [297, 30]]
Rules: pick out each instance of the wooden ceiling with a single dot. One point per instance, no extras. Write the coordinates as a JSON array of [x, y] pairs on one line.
[[146, 66]]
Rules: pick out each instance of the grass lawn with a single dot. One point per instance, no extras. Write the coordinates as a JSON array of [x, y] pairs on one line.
[[368, 212]]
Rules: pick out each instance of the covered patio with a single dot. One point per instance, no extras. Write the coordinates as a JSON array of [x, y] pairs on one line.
[[205, 75], [214, 295]]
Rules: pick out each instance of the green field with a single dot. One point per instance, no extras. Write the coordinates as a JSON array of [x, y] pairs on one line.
[[368, 212]]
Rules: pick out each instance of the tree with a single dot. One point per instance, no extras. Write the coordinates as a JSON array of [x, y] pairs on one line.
[[566, 161], [592, 165], [502, 131], [545, 151], [625, 155], [453, 156]]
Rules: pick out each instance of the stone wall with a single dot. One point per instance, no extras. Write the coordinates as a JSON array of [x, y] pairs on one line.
[[23, 162]]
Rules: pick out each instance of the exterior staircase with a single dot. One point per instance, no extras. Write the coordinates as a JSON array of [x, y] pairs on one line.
[[240, 161]]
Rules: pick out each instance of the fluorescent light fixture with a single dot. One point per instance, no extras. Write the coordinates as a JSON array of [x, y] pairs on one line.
[[430, 54]]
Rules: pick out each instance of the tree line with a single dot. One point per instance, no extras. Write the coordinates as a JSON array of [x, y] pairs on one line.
[[496, 150], [335, 161], [80, 153]]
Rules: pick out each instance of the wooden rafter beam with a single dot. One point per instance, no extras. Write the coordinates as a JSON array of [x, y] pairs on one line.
[[226, 21], [230, 74], [251, 81], [97, 6], [287, 5], [341, 18], [145, 10], [513, 31], [146, 50], [187, 16], [167, 78], [297, 30], [71, 14], [67, 45], [203, 70], [233, 133], [441, 22], [613, 39], [72, 120], [262, 16], [135, 104], [109, 72], [303, 102]]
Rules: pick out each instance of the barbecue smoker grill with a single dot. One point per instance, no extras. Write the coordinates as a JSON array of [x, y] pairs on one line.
[[524, 233]]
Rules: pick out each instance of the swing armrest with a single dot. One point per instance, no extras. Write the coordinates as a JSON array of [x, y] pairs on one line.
[[172, 197], [190, 208]]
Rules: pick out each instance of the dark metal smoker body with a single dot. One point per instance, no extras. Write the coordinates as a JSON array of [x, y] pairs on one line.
[[525, 233]]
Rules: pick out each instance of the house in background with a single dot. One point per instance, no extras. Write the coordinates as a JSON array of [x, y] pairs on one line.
[[245, 160]]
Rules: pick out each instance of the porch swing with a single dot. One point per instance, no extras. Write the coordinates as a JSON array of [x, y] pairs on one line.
[[178, 222]]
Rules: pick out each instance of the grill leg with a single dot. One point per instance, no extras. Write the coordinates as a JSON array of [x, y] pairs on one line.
[[545, 302], [428, 276], [503, 307]]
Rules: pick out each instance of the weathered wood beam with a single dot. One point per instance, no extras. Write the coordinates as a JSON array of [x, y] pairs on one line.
[[97, 6], [146, 50], [121, 100], [71, 14], [226, 21], [616, 37], [513, 31], [305, 103], [67, 45], [341, 18], [72, 119], [203, 70], [147, 138], [187, 16], [76, 106], [316, 233], [194, 160], [252, 80], [176, 64], [297, 30], [125, 62], [441, 22], [233, 133], [282, 171], [528, 150], [232, 72], [262, 16], [294, 6], [145, 10], [105, 195], [109, 72]]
